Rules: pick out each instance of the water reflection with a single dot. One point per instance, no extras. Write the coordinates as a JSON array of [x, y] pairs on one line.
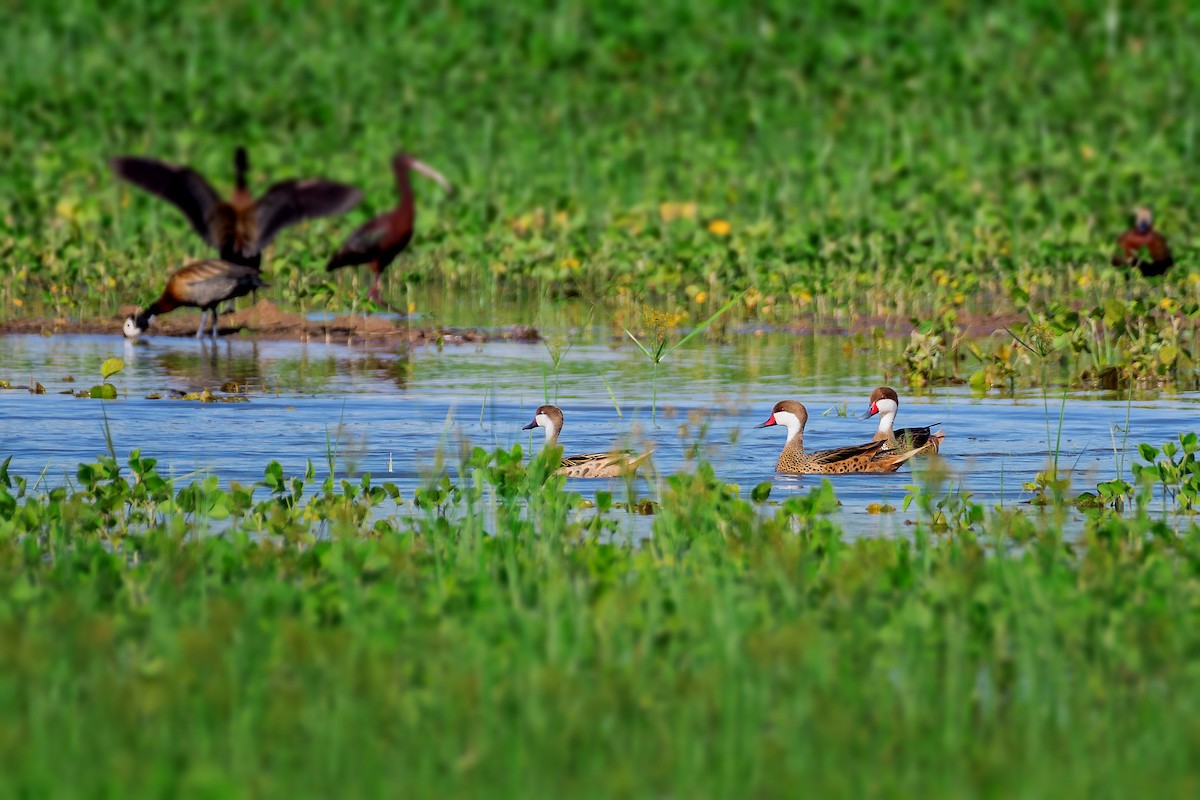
[[403, 414]]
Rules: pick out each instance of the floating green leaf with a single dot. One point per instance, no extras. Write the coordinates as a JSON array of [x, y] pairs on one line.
[[111, 366]]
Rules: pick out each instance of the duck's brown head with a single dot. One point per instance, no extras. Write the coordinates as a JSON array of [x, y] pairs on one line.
[[882, 399], [548, 417], [790, 414], [1143, 220]]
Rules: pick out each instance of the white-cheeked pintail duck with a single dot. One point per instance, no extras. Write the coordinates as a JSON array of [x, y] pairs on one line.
[[869, 457], [588, 465], [885, 402]]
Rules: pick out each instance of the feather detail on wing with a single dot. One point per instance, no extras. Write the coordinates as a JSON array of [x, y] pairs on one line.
[[292, 201], [844, 453], [362, 246], [185, 188]]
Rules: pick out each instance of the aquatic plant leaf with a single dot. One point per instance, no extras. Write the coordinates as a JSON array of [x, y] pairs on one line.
[[110, 367], [104, 391]]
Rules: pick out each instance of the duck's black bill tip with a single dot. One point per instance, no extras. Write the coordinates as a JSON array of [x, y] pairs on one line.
[[766, 424], [866, 415], [530, 426]]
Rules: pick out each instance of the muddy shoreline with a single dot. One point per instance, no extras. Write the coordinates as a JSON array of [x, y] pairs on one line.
[[267, 321]]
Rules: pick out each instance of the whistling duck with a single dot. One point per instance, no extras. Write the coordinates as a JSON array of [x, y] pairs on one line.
[[838, 461], [241, 227], [201, 284], [380, 240], [885, 402], [1142, 237], [589, 465]]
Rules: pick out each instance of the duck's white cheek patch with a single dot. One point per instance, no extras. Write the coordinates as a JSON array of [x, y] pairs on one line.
[[788, 420]]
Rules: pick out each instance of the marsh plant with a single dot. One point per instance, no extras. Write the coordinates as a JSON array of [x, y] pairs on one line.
[[284, 634], [662, 327]]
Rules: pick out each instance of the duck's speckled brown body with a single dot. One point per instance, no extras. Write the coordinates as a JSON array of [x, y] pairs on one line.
[[837, 461], [588, 465], [886, 403]]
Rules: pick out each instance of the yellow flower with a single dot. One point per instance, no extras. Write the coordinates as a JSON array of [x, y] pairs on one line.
[[719, 227], [65, 209], [570, 263], [1087, 152], [1085, 280], [701, 297], [670, 211], [18, 302]]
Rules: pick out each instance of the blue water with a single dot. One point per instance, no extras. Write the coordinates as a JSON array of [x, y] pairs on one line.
[[390, 410]]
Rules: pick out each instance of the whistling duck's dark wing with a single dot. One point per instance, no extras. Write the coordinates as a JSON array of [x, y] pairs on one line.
[[362, 246], [292, 201], [182, 186], [844, 453]]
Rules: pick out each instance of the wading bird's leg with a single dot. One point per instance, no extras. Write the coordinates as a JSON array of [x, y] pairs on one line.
[[200, 330], [214, 313], [374, 292]]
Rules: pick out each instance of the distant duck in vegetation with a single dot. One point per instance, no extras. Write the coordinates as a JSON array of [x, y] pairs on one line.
[[378, 241], [869, 457], [1143, 247], [201, 284], [590, 465], [240, 227], [885, 402]]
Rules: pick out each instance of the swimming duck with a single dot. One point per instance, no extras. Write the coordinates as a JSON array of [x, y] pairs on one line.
[[793, 460], [201, 284], [1142, 236], [885, 402], [589, 465]]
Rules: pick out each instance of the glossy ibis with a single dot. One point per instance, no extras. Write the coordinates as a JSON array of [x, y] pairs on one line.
[[1143, 247], [380, 240], [240, 227], [202, 285]]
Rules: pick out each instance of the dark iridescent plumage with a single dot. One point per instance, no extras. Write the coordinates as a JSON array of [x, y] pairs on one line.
[[241, 227], [378, 241]]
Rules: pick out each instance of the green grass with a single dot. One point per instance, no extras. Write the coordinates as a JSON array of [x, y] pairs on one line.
[[887, 160], [492, 637]]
